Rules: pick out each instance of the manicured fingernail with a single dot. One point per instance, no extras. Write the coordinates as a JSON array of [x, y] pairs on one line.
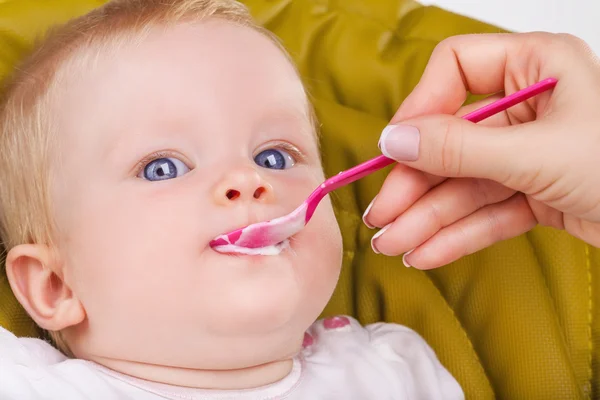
[[375, 236], [364, 217], [406, 264], [400, 142]]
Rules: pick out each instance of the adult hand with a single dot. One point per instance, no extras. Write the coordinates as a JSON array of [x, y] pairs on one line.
[[460, 187]]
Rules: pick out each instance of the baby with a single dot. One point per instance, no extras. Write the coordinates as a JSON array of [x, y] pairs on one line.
[[130, 139]]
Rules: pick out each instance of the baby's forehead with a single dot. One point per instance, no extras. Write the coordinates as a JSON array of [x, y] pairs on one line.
[[213, 45], [184, 74], [211, 58]]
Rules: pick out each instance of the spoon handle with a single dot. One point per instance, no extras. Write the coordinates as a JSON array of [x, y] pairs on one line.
[[379, 162]]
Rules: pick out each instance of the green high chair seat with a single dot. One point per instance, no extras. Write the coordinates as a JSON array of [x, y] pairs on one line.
[[520, 320]]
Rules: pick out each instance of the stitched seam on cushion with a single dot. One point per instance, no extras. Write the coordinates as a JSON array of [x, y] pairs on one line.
[[455, 318], [351, 254], [588, 265], [549, 293], [554, 305], [352, 259], [556, 318], [354, 273], [464, 332]]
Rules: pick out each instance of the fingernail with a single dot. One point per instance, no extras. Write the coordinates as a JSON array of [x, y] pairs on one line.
[[400, 142], [406, 264], [375, 236], [364, 217]]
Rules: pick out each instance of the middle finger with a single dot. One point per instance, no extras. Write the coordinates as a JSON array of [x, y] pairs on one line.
[[442, 206]]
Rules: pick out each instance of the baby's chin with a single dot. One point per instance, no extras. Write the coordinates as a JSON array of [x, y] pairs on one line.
[[261, 293]]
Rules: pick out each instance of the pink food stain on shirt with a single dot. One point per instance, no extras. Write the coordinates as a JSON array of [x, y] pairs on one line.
[[335, 322], [308, 340]]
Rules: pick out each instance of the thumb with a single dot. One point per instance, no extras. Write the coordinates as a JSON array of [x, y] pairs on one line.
[[450, 146]]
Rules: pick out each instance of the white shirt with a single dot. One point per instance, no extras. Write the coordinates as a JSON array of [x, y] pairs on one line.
[[340, 360]]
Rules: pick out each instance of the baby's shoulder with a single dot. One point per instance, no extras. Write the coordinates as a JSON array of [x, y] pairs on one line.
[[27, 351], [345, 336], [386, 359], [32, 368]]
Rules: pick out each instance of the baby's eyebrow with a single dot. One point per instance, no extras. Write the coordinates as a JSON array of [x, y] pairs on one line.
[[286, 111], [295, 128], [301, 116], [134, 145]]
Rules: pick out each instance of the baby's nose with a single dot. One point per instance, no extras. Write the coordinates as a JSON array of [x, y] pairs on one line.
[[243, 185]]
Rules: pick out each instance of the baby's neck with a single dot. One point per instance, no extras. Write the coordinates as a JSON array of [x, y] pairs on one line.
[[246, 378]]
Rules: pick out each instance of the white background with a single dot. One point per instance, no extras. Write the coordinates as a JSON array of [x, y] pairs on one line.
[[578, 17]]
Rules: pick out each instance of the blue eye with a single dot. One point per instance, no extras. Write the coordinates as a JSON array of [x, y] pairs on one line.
[[274, 159], [164, 168]]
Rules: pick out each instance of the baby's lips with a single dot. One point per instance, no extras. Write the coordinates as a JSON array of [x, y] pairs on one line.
[[218, 242], [228, 238]]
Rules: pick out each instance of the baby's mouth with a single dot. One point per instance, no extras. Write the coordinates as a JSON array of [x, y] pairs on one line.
[[273, 250]]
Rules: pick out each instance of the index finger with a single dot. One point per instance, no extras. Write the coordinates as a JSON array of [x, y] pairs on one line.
[[458, 65]]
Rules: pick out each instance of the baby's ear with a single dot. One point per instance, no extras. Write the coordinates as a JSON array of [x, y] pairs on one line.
[[35, 275]]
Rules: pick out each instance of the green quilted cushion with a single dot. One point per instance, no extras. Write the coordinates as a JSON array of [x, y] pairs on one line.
[[520, 320]]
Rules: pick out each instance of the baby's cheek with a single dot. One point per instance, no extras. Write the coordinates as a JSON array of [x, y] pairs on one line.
[[119, 243], [323, 251]]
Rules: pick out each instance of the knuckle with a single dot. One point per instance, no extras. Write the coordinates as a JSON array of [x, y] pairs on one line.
[[494, 225], [465, 246], [479, 193], [570, 39], [562, 42], [540, 38], [566, 42], [445, 45], [451, 150], [433, 211], [448, 44]]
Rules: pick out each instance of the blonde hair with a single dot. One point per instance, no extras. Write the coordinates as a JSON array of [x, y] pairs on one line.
[[26, 126]]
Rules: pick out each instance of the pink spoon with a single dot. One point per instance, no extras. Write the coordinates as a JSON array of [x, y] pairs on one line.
[[275, 231]]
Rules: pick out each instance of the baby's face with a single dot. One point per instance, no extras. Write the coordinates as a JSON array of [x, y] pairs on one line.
[[164, 145]]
